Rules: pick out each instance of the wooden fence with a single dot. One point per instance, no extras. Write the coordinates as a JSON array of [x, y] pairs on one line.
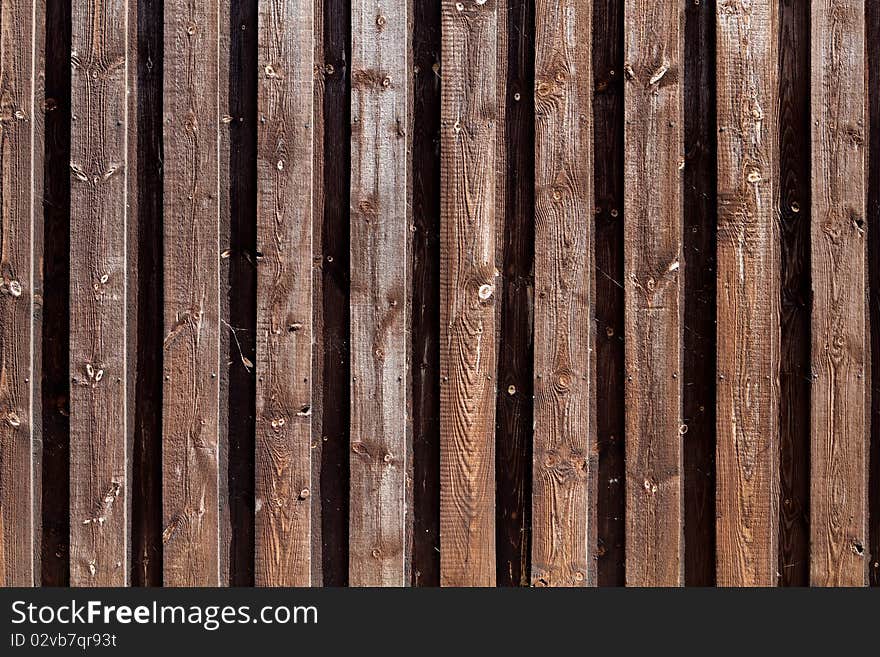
[[420, 292]]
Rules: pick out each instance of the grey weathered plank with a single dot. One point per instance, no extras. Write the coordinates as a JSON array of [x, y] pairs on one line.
[[840, 390], [653, 153], [21, 39], [467, 294], [747, 420], [190, 476], [284, 294], [563, 498], [379, 298], [99, 175]]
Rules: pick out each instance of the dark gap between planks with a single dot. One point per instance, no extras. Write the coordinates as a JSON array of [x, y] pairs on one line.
[[514, 424], [795, 301], [334, 483], [700, 285], [55, 389], [609, 304], [146, 503], [242, 288], [425, 347]]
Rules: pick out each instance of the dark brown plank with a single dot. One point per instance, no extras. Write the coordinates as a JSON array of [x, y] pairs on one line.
[[840, 406], [425, 308], [748, 301], [563, 501], [190, 457], [467, 294], [699, 334], [794, 226], [609, 302], [515, 245], [872, 27], [284, 294], [20, 221], [653, 150], [99, 188], [55, 379]]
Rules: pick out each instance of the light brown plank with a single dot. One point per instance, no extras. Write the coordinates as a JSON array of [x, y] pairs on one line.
[[379, 298], [21, 28], [284, 294], [99, 174], [653, 153], [190, 476], [563, 499], [840, 391], [747, 420], [467, 294]]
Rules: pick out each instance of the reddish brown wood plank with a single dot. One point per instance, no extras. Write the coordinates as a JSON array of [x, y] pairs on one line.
[[380, 80], [564, 499], [21, 25], [653, 152], [747, 459], [467, 294], [840, 403], [284, 294], [190, 455]]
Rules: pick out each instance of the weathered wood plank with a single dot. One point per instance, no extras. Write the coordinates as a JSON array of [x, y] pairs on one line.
[[563, 501], [467, 294], [379, 244], [653, 145], [20, 219], [748, 297], [190, 476], [841, 370], [284, 294], [99, 173]]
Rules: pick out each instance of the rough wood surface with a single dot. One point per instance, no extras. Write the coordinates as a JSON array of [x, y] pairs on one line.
[[467, 294], [99, 171], [747, 479], [653, 151], [284, 294], [563, 499], [841, 370], [20, 211], [190, 425], [379, 239]]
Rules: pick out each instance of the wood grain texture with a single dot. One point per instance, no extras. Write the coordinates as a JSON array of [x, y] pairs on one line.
[[793, 193], [190, 423], [380, 80], [747, 466], [653, 151], [99, 170], [284, 294], [872, 27], [563, 499], [467, 294], [20, 212], [841, 370]]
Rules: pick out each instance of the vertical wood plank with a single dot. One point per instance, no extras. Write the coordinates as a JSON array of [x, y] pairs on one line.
[[467, 294], [190, 419], [563, 502], [653, 152], [841, 371], [20, 212], [284, 294], [379, 243], [99, 171], [748, 297]]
